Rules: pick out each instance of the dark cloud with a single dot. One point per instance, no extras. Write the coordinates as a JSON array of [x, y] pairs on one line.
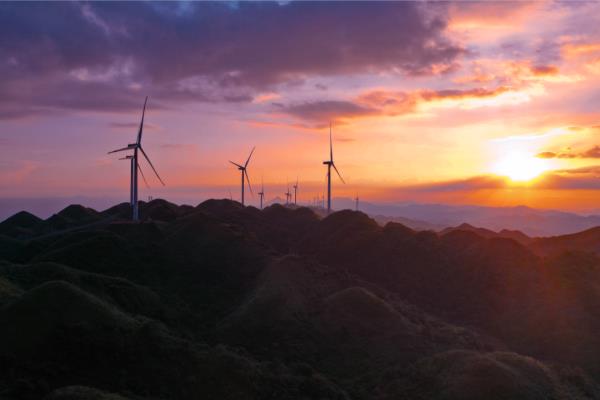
[[587, 178], [456, 94], [105, 56]]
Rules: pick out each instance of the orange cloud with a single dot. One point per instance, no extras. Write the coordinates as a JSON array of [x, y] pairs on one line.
[[593, 152], [543, 70], [576, 49], [482, 14], [384, 103]]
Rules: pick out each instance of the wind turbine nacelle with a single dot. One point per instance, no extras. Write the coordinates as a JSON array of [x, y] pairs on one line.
[[326, 162]]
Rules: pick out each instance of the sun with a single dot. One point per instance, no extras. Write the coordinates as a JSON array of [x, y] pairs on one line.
[[521, 167]]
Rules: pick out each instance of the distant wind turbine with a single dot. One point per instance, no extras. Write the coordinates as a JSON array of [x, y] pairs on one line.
[[135, 166], [288, 195], [262, 192], [330, 164], [296, 192], [356, 199], [244, 173]]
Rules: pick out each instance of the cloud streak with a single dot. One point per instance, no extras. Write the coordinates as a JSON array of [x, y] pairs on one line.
[[384, 103], [593, 152]]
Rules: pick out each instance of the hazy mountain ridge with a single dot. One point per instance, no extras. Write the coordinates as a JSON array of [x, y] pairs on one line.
[[531, 221], [221, 301]]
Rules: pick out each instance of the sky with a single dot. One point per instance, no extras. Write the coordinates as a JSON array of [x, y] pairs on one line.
[[490, 103]]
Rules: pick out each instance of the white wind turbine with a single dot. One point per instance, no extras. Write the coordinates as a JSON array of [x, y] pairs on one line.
[[135, 166], [244, 173], [296, 192], [262, 192], [330, 164], [288, 195]]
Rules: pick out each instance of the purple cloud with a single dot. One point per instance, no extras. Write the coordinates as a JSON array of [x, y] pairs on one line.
[[322, 112], [106, 56]]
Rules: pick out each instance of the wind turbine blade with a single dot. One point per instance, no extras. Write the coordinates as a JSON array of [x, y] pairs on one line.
[[123, 149], [151, 165], [236, 164], [330, 145], [248, 160], [143, 177], [248, 180], [338, 173], [139, 136]]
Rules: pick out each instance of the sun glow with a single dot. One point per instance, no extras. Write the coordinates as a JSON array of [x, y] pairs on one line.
[[521, 167]]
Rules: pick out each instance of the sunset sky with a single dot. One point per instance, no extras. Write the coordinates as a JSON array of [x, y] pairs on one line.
[[462, 103]]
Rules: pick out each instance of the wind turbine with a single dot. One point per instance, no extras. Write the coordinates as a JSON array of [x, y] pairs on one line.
[[356, 199], [288, 195], [330, 164], [244, 173], [135, 166], [296, 192], [262, 192], [132, 166]]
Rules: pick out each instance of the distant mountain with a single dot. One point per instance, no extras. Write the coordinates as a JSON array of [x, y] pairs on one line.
[[487, 233], [221, 301], [532, 222], [411, 223], [587, 241]]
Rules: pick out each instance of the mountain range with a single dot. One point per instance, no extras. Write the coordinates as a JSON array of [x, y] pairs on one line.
[[418, 216], [220, 301], [531, 221]]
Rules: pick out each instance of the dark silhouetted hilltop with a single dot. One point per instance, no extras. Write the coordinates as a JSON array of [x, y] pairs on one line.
[[587, 241], [22, 224], [71, 216]]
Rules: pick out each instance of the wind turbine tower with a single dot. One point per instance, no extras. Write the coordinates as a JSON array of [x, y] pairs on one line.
[[261, 193], [331, 164], [288, 195], [132, 166], [135, 166], [356, 199], [296, 192], [244, 171]]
